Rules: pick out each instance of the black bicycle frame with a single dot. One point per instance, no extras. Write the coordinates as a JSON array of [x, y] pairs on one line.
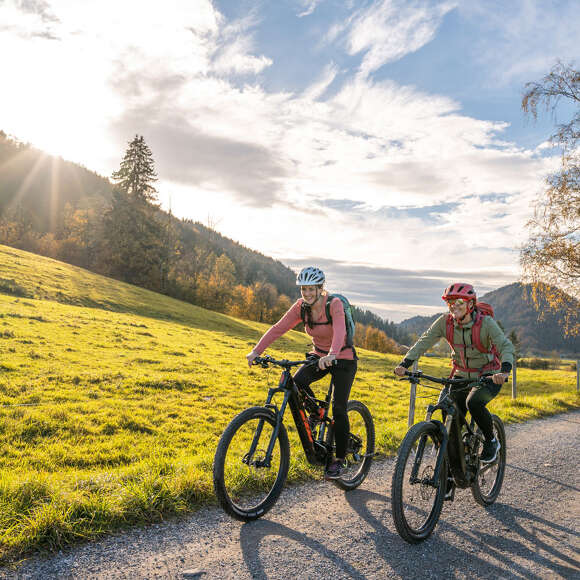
[[451, 442], [315, 450]]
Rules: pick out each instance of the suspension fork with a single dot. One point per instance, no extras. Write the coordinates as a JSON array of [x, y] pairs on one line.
[[279, 418], [444, 436], [440, 455]]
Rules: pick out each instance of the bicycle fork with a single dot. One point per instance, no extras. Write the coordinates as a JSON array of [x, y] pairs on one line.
[[444, 438], [279, 417], [433, 481]]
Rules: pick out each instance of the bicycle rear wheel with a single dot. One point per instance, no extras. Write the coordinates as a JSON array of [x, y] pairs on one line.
[[245, 484], [360, 447], [416, 500], [487, 485]]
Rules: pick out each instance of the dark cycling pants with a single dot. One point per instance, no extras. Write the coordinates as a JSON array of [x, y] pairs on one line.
[[475, 401], [342, 373]]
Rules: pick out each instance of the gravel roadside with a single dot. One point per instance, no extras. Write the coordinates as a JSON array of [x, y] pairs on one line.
[[318, 531]]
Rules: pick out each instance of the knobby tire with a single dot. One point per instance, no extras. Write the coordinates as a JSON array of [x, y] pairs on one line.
[[416, 507], [487, 485], [359, 455], [246, 491]]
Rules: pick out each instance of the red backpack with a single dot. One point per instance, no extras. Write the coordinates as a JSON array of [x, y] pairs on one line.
[[481, 309]]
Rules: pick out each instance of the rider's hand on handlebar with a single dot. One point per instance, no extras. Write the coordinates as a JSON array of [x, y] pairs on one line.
[[500, 378], [326, 361], [400, 371], [251, 356]]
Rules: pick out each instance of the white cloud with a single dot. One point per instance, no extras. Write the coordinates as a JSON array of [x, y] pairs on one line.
[[235, 46], [308, 7], [319, 87], [390, 29], [235, 58]]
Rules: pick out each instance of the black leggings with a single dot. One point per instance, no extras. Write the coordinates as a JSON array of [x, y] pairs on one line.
[[476, 400], [342, 373]]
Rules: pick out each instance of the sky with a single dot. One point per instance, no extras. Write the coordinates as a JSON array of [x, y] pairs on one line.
[[382, 141]]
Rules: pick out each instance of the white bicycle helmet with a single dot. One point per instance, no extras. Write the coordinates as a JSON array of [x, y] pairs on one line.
[[310, 276]]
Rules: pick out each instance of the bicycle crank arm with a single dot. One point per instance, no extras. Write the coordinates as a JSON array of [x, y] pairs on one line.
[[487, 467], [429, 482]]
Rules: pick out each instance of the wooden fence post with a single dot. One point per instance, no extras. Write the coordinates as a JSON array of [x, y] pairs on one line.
[[412, 395], [515, 379], [577, 375]]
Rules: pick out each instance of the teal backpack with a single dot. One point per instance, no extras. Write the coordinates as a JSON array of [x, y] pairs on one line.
[[348, 319]]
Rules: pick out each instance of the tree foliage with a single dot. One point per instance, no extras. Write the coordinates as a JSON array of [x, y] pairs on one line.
[[137, 172], [371, 338], [551, 257]]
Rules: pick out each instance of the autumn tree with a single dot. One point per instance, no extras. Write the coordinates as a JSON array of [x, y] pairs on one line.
[[265, 299], [551, 258]]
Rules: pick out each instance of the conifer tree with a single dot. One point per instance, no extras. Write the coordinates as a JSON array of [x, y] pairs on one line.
[[137, 171], [133, 225]]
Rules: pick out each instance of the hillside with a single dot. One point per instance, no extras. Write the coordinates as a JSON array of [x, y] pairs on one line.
[[113, 397], [515, 312], [57, 208]]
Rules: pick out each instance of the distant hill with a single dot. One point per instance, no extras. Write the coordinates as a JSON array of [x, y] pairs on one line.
[[514, 311], [41, 185]]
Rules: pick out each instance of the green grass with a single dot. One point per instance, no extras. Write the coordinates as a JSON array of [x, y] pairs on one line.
[[112, 399]]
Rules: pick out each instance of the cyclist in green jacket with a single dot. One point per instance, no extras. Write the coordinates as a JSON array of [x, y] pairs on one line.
[[479, 347]]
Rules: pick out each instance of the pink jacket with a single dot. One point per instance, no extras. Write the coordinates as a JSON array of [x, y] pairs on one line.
[[325, 337]]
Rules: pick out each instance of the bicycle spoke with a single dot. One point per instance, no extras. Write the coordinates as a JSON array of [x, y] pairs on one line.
[[246, 480], [419, 496], [416, 497], [360, 446], [487, 485]]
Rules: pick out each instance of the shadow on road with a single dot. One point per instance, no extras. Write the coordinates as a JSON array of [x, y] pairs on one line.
[[523, 545], [413, 561], [252, 533], [535, 539]]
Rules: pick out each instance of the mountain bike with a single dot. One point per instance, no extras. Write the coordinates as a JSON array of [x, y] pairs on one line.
[[253, 454], [435, 456]]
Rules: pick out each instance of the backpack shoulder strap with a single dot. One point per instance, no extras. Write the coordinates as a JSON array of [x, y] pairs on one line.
[[329, 299], [476, 332], [303, 312], [449, 330]]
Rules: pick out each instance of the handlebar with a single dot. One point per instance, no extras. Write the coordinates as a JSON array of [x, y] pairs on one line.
[[266, 361], [416, 377]]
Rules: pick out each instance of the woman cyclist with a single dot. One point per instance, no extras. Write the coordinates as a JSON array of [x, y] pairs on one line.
[[467, 358], [329, 345]]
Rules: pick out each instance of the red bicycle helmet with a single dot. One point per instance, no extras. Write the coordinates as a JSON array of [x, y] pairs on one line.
[[460, 290]]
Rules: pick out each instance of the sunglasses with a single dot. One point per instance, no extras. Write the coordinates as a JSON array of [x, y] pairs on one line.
[[456, 302]]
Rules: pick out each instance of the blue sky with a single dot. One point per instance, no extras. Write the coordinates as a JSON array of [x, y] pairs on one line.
[[382, 140]]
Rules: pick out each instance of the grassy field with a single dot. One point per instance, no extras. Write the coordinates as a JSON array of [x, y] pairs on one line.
[[112, 399]]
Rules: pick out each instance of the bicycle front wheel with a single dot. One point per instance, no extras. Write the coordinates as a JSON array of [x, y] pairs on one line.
[[247, 482], [416, 499], [487, 484], [360, 447]]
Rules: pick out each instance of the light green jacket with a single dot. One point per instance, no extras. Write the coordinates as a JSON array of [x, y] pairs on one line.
[[490, 334]]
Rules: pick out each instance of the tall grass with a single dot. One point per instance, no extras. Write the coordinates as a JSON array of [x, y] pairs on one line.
[[112, 399]]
